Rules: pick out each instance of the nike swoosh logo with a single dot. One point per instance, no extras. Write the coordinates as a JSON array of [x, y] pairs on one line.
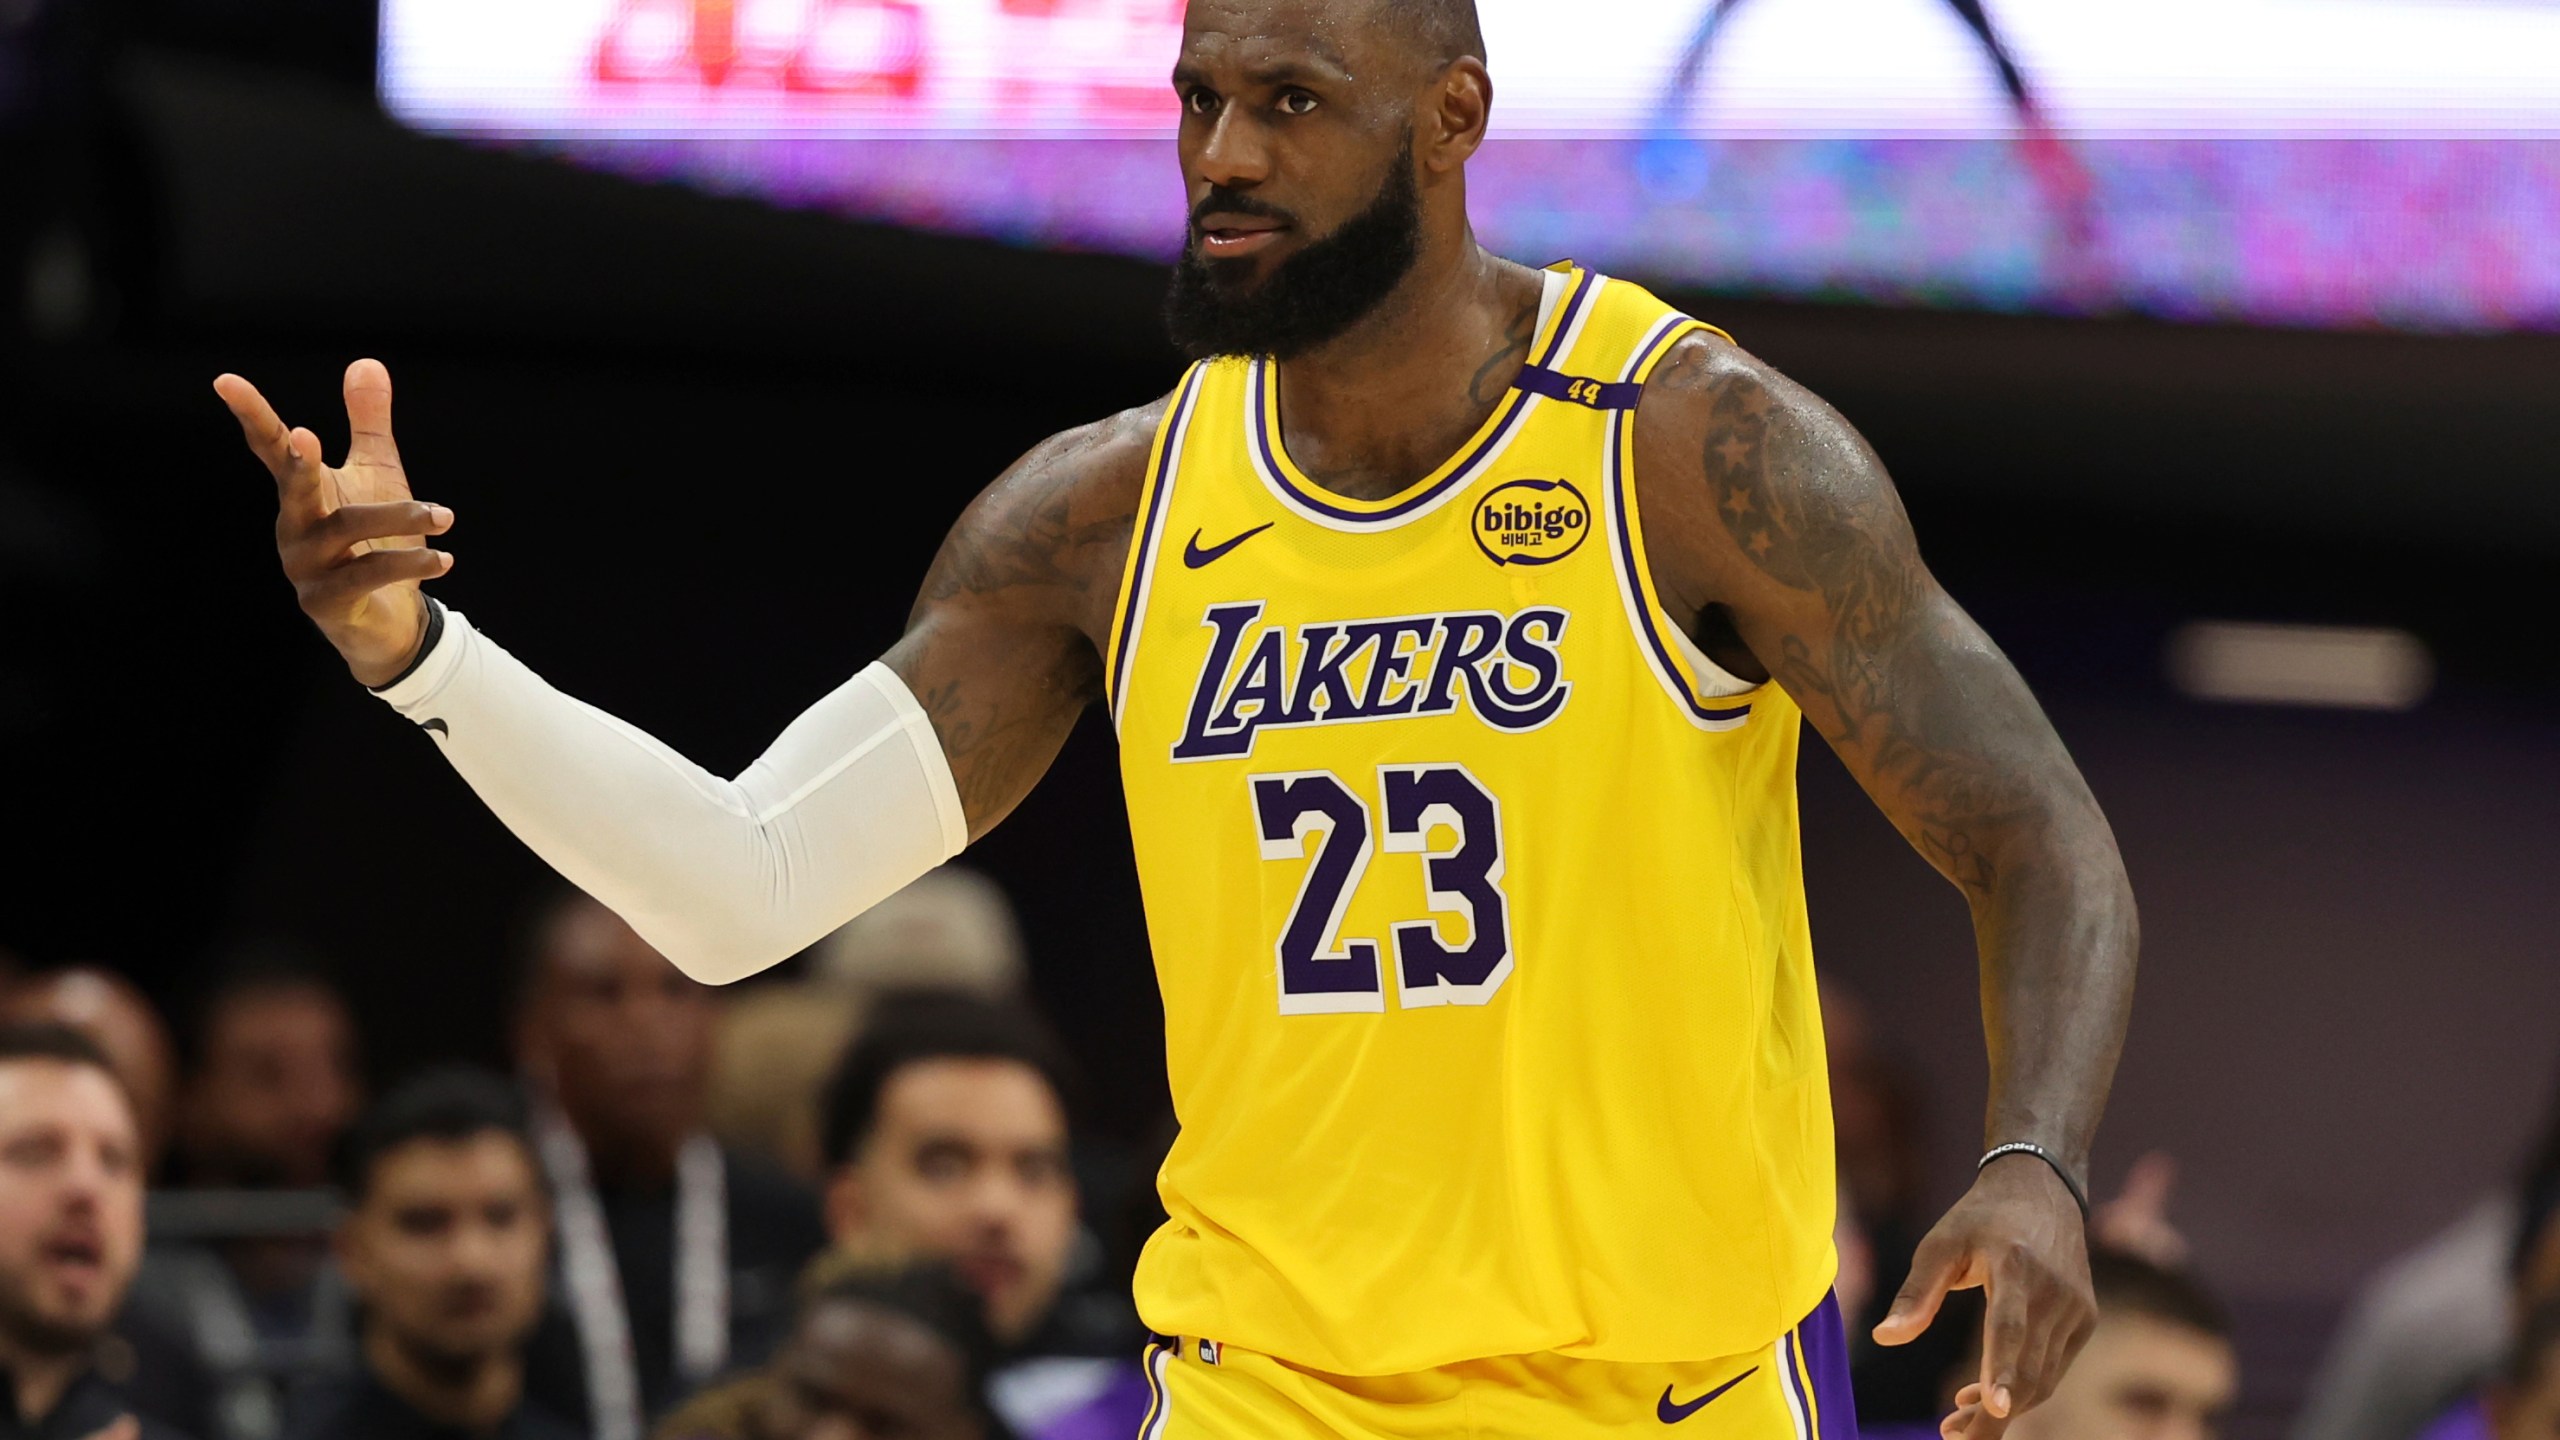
[[437, 726], [1195, 557], [1670, 1414]]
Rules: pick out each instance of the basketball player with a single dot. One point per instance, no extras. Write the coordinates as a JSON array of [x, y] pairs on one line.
[[1457, 619]]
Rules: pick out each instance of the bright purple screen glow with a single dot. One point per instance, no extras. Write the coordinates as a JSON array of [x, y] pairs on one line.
[[2341, 163]]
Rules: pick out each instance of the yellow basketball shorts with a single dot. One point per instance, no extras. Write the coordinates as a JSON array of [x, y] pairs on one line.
[[1795, 1388]]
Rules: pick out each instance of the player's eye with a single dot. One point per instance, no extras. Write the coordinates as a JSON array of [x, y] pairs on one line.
[[1201, 102], [1296, 102]]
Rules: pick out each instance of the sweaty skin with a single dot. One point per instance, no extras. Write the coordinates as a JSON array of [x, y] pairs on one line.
[[1772, 530]]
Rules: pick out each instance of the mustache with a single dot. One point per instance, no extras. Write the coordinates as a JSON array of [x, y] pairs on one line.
[[1222, 201]]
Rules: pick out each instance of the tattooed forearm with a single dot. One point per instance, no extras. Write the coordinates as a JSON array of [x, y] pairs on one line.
[[1809, 552]]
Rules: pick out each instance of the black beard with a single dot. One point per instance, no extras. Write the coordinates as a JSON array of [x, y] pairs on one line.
[[1307, 299]]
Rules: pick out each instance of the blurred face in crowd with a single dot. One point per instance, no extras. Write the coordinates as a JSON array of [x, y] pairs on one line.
[[858, 1371], [2141, 1378], [277, 1087], [108, 1010], [621, 1038], [967, 1163], [447, 1248], [70, 1203], [2529, 1410]]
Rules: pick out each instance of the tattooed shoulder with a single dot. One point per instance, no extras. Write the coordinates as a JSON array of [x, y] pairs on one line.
[[1054, 528], [1794, 490]]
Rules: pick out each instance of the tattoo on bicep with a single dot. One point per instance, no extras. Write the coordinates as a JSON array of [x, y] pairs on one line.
[[998, 739], [1044, 543], [1883, 678]]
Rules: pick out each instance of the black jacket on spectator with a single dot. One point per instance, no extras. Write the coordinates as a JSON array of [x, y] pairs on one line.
[[363, 1409], [89, 1406], [774, 1228]]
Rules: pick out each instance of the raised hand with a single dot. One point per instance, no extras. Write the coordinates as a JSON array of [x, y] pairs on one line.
[[2018, 1235], [352, 540]]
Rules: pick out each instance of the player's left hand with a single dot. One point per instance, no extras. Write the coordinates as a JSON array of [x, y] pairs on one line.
[[2018, 1235]]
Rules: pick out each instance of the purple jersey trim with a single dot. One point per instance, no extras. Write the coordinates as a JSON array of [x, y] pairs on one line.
[[1158, 484], [1622, 481], [1578, 390], [1266, 442], [1826, 1359]]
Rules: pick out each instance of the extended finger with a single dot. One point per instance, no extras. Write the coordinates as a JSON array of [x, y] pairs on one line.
[[368, 392], [348, 525], [367, 573], [1972, 1422], [1965, 1420], [1935, 1268], [259, 424], [2008, 1341], [2062, 1342]]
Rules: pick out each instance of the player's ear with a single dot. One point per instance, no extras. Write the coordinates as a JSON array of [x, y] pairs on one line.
[[1460, 106]]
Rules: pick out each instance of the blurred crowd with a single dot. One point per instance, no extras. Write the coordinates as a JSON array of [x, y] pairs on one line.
[[855, 1202]]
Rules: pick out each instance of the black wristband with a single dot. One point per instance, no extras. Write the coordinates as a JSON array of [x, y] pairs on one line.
[[426, 645], [2070, 1182]]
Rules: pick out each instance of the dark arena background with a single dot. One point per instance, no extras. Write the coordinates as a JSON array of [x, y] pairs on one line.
[[2273, 535]]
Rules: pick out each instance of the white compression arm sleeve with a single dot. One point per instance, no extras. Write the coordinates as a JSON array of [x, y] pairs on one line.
[[727, 877]]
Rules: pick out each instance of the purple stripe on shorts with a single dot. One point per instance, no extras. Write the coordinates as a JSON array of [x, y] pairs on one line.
[[1826, 1360]]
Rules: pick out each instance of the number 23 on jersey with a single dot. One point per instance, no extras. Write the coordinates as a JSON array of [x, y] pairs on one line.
[[1441, 813]]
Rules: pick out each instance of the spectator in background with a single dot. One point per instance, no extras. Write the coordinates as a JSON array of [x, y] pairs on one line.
[[1876, 1127], [105, 1007], [2159, 1365], [878, 1351], [779, 1041], [947, 1131], [71, 1175], [2533, 1281], [2433, 1324], [445, 1241], [272, 1084], [2526, 1402], [676, 1256]]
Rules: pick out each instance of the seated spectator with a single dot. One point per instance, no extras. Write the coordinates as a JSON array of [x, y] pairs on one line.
[[953, 929], [70, 1237], [2533, 1282], [271, 1086], [2431, 1325], [107, 1008], [444, 1242], [676, 1256], [2525, 1402], [878, 1351], [947, 1128], [2159, 1365]]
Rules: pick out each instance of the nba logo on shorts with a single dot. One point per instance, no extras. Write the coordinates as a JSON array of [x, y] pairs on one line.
[[1208, 1352], [1531, 522]]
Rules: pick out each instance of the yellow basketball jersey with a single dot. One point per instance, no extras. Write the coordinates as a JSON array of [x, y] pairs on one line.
[[1474, 894]]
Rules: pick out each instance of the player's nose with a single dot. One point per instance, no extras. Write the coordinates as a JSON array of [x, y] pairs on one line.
[[1237, 153]]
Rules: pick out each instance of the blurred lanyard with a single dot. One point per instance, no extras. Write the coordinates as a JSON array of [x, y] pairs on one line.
[[595, 1286]]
